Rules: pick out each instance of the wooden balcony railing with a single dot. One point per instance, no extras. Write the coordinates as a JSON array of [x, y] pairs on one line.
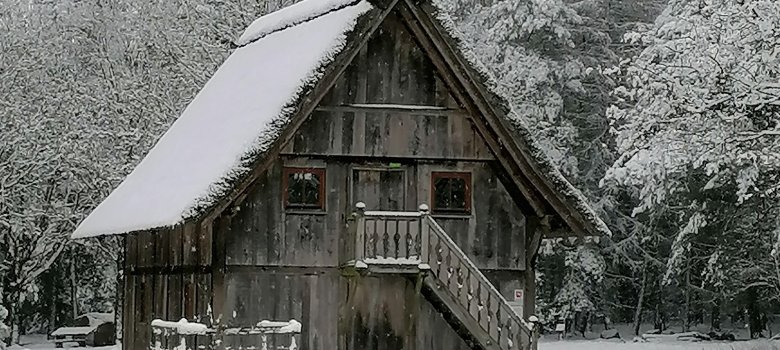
[[183, 335], [416, 238]]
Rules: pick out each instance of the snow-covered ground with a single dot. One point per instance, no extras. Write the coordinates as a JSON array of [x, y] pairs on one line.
[[40, 343], [675, 345]]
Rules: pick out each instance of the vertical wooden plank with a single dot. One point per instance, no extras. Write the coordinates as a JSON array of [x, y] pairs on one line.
[[204, 300], [161, 297], [204, 241], [146, 309], [175, 297], [146, 249], [218, 287], [189, 244], [129, 313], [162, 248], [175, 246], [359, 126], [190, 287], [131, 252]]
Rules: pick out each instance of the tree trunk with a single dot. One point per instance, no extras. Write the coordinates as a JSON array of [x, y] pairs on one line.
[[13, 317], [687, 305], [73, 288], [715, 322], [640, 302]]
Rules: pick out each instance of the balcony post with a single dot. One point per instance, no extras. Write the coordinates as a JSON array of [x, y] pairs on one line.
[[425, 233], [360, 231]]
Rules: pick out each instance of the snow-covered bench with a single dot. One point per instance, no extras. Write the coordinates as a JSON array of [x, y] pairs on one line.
[[71, 335], [168, 335]]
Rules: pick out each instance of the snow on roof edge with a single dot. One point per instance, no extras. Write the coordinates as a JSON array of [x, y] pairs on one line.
[[552, 173], [266, 137], [290, 16]]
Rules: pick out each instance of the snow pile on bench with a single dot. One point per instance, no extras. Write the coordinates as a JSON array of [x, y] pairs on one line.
[[291, 326], [182, 327]]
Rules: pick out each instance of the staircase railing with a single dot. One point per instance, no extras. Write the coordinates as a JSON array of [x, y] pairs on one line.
[[415, 237]]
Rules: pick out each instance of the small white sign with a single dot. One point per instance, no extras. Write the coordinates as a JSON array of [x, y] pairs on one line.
[[517, 301], [518, 295]]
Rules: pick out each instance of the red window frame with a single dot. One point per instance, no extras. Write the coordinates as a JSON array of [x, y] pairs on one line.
[[287, 171], [466, 177]]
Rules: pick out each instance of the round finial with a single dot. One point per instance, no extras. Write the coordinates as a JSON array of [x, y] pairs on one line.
[[360, 206], [424, 208], [533, 319]]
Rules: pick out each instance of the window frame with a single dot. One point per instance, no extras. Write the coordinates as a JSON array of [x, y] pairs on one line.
[[286, 172], [466, 177]]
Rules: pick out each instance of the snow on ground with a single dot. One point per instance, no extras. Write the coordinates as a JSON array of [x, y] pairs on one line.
[[672, 345], [40, 343]]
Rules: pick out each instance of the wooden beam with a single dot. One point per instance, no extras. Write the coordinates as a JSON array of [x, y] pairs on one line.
[[395, 109], [367, 24], [457, 88], [384, 160]]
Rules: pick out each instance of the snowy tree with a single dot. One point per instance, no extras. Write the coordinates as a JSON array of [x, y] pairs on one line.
[[4, 330], [696, 128], [85, 90]]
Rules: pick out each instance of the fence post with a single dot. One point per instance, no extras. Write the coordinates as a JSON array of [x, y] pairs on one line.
[[425, 233], [360, 231]]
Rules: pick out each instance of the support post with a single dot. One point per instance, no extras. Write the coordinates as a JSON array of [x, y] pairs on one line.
[[359, 232], [425, 233], [534, 231]]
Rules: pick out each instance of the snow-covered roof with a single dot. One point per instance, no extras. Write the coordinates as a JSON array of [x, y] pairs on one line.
[[243, 109], [97, 318], [65, 331], [235, 117]]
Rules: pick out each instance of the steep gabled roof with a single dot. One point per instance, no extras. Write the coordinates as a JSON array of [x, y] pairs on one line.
[[248, 103], [236, 116]]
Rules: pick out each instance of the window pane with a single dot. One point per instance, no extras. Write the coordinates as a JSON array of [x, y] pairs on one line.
[[451, 191], [294, 188], [457, 193], [303, 188], [441, 188], [312, 189]]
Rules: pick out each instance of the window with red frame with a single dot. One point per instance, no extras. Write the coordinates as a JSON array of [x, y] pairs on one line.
[[304, 188], [451, 192]]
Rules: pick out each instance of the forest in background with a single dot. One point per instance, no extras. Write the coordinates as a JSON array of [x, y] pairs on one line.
[[663, 113]]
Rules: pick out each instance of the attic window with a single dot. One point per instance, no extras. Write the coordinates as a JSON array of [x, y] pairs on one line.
[[451, 192], [304, 188]]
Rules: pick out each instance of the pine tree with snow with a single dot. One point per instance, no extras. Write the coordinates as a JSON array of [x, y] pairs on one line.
[[5, 332]]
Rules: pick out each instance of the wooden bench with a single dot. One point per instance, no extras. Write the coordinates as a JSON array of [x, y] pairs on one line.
[[71, 335]]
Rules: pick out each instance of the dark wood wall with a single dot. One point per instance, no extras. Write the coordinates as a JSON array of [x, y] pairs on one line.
[[167, 276]]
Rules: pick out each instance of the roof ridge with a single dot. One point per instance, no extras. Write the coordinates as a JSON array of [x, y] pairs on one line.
[[260, 28]]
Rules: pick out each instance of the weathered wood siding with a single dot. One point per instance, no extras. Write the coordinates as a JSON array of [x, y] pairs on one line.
[[336, 312], [262, 233], [493, 235], [387, 312], [312, 298], [392, 69], [167, 276]]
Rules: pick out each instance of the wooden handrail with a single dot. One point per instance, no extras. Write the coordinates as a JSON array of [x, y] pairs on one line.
[[508, 329], [415, 237]]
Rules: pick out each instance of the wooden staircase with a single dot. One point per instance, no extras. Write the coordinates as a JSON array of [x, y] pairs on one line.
[[413, 242]]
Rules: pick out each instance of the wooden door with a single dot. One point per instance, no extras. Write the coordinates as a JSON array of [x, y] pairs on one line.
[[380, 189]]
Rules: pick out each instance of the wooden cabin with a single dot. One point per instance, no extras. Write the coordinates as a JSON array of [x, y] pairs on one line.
[[349, 166]]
